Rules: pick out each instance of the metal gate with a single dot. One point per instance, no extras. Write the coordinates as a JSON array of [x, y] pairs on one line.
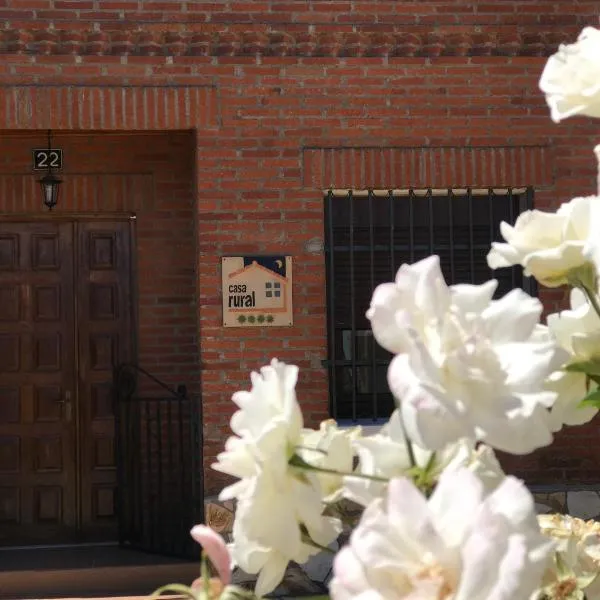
[[159, 463], [368, 235]]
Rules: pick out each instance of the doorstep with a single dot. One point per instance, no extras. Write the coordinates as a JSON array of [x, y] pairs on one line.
[[87, 572], [102, 572]]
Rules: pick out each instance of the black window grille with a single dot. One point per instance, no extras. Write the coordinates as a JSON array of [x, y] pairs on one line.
[[368, 235]]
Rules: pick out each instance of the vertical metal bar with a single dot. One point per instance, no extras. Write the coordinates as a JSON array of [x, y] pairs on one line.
[[451, 233], [159, 433], [170, 470], [149, 497], [411, 224], [137, 467], [392, 233], [511, 204], [471, 242], [529, 198], [330, 251], [373, 377], [196, 440], [181, 470], [431, 217], [352, 303]]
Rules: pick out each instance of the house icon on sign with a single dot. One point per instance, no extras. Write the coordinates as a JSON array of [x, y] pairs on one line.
[[263, 290]]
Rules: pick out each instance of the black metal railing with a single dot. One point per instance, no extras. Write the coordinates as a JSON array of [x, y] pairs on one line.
[[159, 463], [368, 235]]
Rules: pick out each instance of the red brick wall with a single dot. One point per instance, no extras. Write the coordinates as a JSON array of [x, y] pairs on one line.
[[279, 93]]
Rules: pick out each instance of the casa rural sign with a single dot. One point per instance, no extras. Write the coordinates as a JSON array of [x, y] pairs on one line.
[[257, 291]]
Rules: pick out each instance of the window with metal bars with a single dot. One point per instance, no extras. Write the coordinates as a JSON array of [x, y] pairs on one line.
[[368, 235]]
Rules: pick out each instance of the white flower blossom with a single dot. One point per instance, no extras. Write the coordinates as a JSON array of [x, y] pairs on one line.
[[275, 501], [577, 330], [461, 544], [386, 455], [466, 366], [578, 544], [548, 245], [329, 448], [571, 78]]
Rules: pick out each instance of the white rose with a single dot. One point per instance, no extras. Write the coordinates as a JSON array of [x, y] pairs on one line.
[[578, 543], [386, 455], [461, 544], [571, 389], [467, 366], [571, 78], [329, 448], [275, 501], [549, 246], [577, 330]]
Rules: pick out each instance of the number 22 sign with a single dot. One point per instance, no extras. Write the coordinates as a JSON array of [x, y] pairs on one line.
[[47, 159]]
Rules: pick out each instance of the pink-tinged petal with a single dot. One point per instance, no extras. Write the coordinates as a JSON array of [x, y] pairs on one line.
[[454, 502], [215, 548], [349, 573], [215, 587]]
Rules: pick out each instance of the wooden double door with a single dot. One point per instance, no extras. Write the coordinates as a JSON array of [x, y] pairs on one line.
[[65, 321]]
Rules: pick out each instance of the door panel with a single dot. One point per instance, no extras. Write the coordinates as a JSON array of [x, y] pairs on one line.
[[104, 340], [37, 430]]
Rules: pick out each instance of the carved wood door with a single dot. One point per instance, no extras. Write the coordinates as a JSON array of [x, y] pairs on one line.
[[65, 319], [104, 340]]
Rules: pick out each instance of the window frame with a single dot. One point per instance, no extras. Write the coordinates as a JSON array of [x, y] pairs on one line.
[[519, 199]]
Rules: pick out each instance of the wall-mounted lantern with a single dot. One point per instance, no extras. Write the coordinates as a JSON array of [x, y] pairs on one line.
[[50, 183]]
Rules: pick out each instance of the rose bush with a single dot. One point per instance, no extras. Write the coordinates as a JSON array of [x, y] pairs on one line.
[[441, 520]]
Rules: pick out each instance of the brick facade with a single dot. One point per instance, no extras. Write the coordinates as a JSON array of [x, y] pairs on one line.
[[220, 124]]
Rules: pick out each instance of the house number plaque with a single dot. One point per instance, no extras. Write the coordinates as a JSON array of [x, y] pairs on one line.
[[45, 159]]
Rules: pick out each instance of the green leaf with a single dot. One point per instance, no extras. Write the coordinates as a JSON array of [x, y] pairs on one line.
[[177, 588], [591, 367], [592, 399]]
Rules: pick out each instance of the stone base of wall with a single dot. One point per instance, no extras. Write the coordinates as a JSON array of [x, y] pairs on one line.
[[584, 504], [312, 577]]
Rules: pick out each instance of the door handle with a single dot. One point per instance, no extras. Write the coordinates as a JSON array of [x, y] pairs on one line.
[[67, 406]]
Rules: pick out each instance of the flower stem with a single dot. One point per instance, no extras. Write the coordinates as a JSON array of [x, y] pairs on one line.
[[592, 298], [430, 463], [300, 463], [310, 542], [409, 447], [204, 573]]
